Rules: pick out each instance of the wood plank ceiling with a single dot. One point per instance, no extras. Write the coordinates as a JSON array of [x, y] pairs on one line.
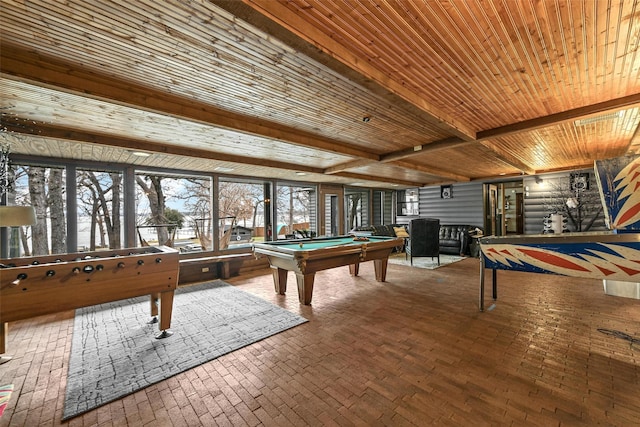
[[387, 94]]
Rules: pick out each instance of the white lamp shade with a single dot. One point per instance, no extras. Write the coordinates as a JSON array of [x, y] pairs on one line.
[[14, 216]]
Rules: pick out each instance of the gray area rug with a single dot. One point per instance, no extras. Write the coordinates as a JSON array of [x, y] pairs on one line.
[[114, 352], [425, 262]]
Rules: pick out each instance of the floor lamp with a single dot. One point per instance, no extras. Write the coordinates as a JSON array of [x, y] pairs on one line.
[[12, 216]]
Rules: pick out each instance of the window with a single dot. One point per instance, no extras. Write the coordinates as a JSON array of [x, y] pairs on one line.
[[43, 188], [244, 209], [89, 206], [357, 203], [174, 211], [408, 202], [382, 207], [296, 208], [99, 210]]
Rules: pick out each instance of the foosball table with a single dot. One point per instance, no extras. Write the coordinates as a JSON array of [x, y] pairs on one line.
[[34, 286]]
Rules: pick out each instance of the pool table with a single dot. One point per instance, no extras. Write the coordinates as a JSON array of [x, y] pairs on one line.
[[307, 256]]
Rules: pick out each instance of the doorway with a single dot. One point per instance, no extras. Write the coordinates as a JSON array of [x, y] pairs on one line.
[[331, 210], [332, 219], [504, 207]]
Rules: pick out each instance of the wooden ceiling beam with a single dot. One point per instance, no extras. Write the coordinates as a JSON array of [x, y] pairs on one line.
[[525, 126], [575, 167], [35, 69], [444, 144], [347, 165], [551, 120], [432, 171], [27, 127], [377, 178], [564, 116], [295, 25]]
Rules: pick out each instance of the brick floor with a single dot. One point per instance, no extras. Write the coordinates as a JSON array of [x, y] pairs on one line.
[[412, 351]]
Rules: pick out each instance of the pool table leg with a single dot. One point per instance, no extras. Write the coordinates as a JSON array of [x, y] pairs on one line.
[[380, 266], [279, 280], [354, 269], [305, 287]]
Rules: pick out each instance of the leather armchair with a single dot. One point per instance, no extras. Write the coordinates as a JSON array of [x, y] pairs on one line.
[[424, 238]]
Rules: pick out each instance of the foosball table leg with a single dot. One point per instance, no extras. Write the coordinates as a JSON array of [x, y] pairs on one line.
[[154, 300], [165, 311]]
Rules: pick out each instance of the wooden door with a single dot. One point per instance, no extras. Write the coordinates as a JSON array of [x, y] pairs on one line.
[[519, 213], [331, 210], [491, 219]]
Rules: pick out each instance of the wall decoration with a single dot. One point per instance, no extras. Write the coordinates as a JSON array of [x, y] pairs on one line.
[[446, 192], [579, 181]]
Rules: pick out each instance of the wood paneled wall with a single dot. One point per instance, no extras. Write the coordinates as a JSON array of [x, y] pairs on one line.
[[538, 190], [465, 207]]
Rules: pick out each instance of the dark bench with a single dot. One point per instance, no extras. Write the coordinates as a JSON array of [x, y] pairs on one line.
[[212, 266]]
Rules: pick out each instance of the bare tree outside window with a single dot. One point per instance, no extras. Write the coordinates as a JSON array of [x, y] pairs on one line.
[[197, 201], [294, 209], [174, 211], [357, 202], [244, 202], [181, 204], [43, 188], [99, 201], [151, 186], [577, 199]]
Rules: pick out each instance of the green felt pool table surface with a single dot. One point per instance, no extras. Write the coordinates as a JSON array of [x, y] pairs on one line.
[[325, 242]]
